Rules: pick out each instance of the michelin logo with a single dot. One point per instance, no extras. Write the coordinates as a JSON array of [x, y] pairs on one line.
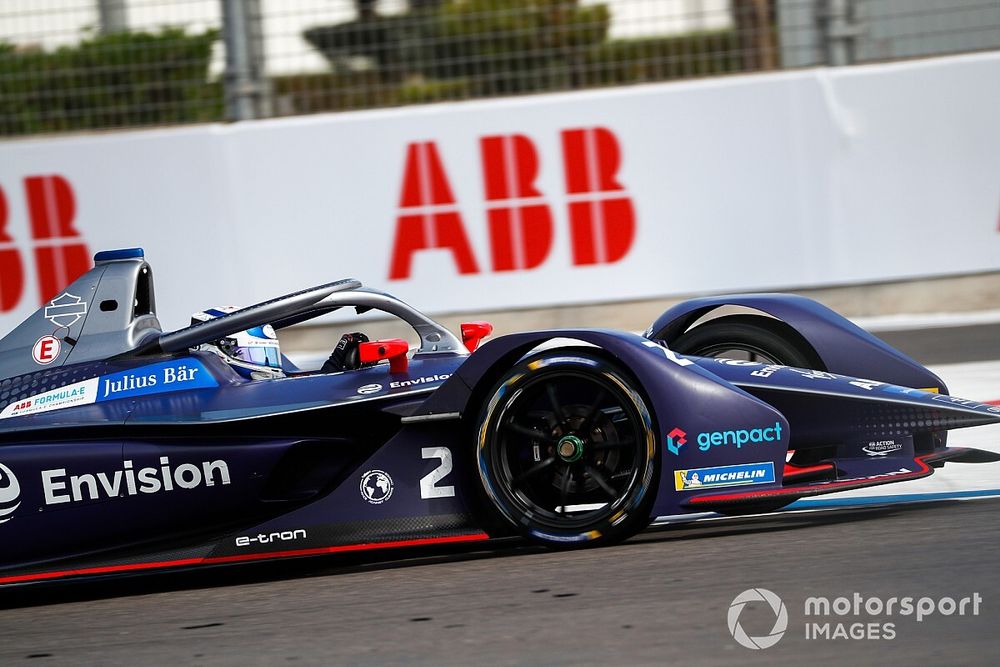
[[153, 379], [735, 475]]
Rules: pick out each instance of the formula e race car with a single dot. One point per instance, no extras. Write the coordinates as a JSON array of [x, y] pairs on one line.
[[126, 448]]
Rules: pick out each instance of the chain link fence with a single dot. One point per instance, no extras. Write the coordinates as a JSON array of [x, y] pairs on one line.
[[72, 65]]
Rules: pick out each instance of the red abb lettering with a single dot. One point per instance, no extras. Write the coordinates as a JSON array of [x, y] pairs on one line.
[[428, 216], [11, 267], [601, 215], [520, 222], [61, 256]]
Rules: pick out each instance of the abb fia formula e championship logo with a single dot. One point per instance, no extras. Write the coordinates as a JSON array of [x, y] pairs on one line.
[[519, 217], [59, 252]]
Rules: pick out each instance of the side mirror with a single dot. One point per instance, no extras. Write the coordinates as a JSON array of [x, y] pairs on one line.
[[473, 332], [393, 349]]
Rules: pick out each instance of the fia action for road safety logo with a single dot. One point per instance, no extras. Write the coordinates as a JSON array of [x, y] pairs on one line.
[[376, 486]]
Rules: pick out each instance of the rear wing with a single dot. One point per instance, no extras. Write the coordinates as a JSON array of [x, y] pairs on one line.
[[109, 310]]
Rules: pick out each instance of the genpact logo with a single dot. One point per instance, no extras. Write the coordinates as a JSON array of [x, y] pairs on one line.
[[677, 437], [10, 491], [739, 438]]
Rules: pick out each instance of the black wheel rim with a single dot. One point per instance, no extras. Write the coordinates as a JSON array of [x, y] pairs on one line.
[[740, 351], [570, 448]]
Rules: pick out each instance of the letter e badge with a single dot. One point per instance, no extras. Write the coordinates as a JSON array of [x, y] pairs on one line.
[[46, 350]]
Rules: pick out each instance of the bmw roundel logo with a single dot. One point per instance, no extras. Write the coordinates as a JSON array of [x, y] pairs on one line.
[[10, 491], [369, 389], [376, 486]]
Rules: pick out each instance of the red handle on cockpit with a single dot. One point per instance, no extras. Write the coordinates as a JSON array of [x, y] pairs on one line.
[[473, 332], [393, 349]]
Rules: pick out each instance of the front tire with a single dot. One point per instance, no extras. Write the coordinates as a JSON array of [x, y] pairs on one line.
[[567, 451]]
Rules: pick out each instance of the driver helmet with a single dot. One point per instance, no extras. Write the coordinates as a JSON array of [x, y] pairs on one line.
[[254, 353]]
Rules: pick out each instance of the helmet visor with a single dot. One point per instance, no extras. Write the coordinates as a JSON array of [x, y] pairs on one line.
[[260, 355]]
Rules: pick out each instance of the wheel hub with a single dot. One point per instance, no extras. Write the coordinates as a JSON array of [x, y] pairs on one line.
[[570, 448]]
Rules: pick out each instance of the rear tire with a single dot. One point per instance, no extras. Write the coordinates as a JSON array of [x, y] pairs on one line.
[[751, 338], [748, 337], [567, 452]]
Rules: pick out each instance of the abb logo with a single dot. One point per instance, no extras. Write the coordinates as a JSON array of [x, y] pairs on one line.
[[60, 254], [518, 217]]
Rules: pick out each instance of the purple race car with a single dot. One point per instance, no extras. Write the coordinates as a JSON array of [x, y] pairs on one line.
[[126, 448]]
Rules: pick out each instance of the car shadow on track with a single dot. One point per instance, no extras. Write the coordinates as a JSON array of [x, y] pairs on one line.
[[112, 586], [778, 521]]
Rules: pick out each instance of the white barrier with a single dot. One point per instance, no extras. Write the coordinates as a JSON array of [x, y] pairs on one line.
[[797, 179]]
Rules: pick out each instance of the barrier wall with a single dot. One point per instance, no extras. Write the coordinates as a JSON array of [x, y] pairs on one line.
[[794, 179]]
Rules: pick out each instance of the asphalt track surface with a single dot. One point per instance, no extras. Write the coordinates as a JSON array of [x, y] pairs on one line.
[[660, 598]]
